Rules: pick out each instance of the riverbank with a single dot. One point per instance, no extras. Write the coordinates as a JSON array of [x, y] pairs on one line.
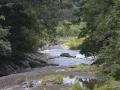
[[32, 60], [20, 80], [69, 74], [59, 78]]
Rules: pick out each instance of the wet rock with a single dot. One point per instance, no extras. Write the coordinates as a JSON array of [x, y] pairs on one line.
[[118, 88], [51, 79], [65, 55], [36, 59], [90, 82], [13, 66]]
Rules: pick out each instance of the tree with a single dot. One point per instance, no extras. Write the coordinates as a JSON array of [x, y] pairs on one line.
[[22, 28], [102, 17]]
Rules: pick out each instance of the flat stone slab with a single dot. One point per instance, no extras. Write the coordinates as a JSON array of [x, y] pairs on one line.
[[14, 82]]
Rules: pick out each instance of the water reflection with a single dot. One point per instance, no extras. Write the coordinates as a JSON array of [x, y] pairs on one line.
[[85, 83]]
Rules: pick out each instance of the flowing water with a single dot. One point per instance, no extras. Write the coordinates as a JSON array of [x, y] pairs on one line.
[[75, 59], [87, 80]]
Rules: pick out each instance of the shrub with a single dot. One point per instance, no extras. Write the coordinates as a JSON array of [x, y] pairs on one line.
[[76, 86], [87, 68], [45, 79], [74, 43], [58, 79], [110, 84]]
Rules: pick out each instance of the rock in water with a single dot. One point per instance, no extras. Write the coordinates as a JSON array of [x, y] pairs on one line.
[[65, 55]]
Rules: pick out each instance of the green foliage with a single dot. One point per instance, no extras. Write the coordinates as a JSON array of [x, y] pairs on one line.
[[22, 37], [109, 84], [31, 23], [45, 79], [76, 86], [87, 68], [67, 29], [58, 79], [5, 47], [103, 24], [74, 43], [2, 17], [90, 46], [100, 27]]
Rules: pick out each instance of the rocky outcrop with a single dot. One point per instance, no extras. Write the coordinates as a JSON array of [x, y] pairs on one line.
[[32, 60], [36, 59]]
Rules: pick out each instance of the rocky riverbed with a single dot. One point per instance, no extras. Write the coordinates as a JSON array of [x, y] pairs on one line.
[[62, 58], [32, 60], [32, 80]]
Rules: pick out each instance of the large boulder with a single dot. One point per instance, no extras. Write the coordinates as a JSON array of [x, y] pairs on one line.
[[65, 55], [32, 60], [36, 59]]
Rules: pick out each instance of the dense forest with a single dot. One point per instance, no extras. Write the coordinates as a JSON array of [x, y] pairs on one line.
[[27, 25], [103, 24]]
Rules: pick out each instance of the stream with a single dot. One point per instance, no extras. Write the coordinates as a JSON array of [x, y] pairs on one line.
[[44, 78], [74, 58]]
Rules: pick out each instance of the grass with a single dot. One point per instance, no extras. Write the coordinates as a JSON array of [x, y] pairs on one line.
[[76, 86], [45, 79], [110, 84], [58, 79], [74, 42], [71, 42], [86, 68]]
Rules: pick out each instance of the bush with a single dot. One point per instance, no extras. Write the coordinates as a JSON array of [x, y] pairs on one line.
[[74, 43], [58, 79], [76, 86], [45, 79], [110, 84], [87, 68], [5, 47]]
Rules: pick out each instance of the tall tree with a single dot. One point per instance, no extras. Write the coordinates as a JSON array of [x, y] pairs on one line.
[[22, 27], [103, 25]]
